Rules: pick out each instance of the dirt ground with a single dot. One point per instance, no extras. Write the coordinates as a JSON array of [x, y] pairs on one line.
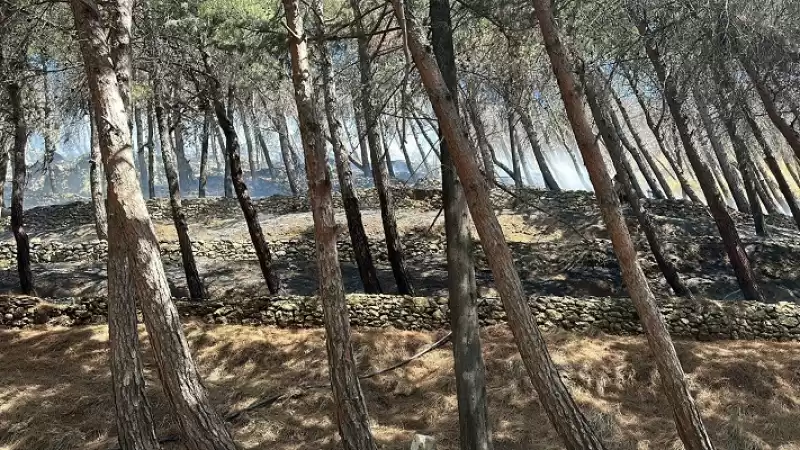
[[55, 389]]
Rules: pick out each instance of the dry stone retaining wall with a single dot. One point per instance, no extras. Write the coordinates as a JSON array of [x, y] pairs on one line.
[[697, 319]]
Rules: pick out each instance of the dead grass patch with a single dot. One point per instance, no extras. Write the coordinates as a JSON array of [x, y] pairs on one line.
[[55, 389]]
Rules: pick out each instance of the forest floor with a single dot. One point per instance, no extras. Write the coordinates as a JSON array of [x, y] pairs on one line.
[[55, 390]]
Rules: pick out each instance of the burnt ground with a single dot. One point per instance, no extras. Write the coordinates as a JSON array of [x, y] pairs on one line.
[[560, 246]]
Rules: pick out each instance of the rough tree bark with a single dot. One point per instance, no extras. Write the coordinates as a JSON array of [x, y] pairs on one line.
[[351, 409], [17, 119], [141, 146], [513, 141], [205, 141], [5, 152], [732, 176], [727, 227], [245, 202], [570, 424], [358, 237], [689, 423], [184, 169], [358, 118], [135, 272], [51, 130], [475, 431], [394, 246], [95, 184], [151, 149]]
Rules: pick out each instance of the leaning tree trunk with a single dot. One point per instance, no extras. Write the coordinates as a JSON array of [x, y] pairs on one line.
[[644, 169], [205, 141], [262, 143], [358, 237], [480, 134], [196, 290], [351, 409], [564, 414], [689, 423], [135, 272], [527, 124], [17, 116], [248, 139], [95, 184], [279, 120], [727, 227], [732, 176], [394, 246], [401, 139], [245, 202], [596, 98], [151, 149], [475, 431], [515, 150], [774, 167]]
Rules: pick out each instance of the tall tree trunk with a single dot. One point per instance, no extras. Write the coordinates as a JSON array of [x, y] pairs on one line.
[[351, 409], [279, 121], [470, 371], [644, 169], [51, 131], [358, 237], [248, 138], [571, 425], [483, 142], [596, 98], [196, 290], [95, 183], [386, 154], [17, 116], [774, 167], [727, 228], [245, 202], [401, 139], [205, 141], [682, 177], [262, 143], [689, 423], [527, 124], [141, 146], [5, 152], [637, 138], [515, 151], [151, 149], [732, 176], [745, 167], [791, 135], [135, 272], [394, 246], [423, 154], [184, 169], [358, 118]]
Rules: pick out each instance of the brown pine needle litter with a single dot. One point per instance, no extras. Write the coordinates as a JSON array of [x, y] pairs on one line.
[[55, 391]]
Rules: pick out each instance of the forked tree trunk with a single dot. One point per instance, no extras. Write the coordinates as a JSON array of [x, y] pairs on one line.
[[394, 246], [358, 237], [279, 121], [729, 171], [205, 141], [596, 98], [95, 183], [358, 118], [151, 149], [475, 431], [689, 423], [571, 425], [774, 167], [17, 118], [648, 156], [727, 227], [136, 275], [184, 169], [351, 409], [789, 133], [196, 291], [245, 202]]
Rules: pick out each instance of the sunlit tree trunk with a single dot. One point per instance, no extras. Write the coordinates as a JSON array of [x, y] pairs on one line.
[[358, 118], [51, 130], [205, 141], [151, 149], [184, 169], [17, 119], [141, 147], [351, 409], [515, 151], [95, 184]]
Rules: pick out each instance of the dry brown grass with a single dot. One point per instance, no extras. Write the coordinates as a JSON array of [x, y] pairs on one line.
[[55, 389]]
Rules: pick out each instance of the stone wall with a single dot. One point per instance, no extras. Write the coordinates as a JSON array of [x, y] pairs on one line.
[[698, 319]]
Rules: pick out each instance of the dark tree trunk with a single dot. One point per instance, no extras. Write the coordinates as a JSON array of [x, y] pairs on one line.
[[515, 151], [637, 138], [422, 151], [649, 178], [386, 155], [732, 176], [351, 409], [136, 275], [279, 120], [394, 246], [727, 228], [474, 425], [5, 152], [141, 147], [263, 144], [358, 237], [401, 139], [95, 184], [184, 169], [483, 142], [564, 414], [245, 202], [19, 182], [358, 118], [151, 149], [527, 124], [196, 290], [248, 138], [51, 131], [205, 141]]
